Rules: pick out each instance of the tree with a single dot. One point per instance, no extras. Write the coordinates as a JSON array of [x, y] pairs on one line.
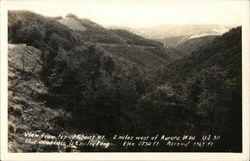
[[29, 34]]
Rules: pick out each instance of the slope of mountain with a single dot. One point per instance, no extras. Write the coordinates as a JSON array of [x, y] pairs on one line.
[[173, 41], [223, 51], [26, 112], [209, 80], [181, 36], [145, 57], [80, 77], [54, 33], [186, 44], [192, 44], [72, 24], [131, 38]]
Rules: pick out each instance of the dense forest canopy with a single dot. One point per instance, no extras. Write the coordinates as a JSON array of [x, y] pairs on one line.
[[116, 82]]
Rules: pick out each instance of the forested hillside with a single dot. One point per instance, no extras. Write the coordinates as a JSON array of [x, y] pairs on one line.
[[209, 82], [187, 44], [57, 33], [192, 44], [100, 81], [26, 111]]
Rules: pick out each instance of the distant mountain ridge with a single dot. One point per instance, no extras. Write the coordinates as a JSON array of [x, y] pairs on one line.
[[193, 43], [210, 81], [187, 44], [175, 30], [80, 77], [223, 52], [184, 37], [58, 32]]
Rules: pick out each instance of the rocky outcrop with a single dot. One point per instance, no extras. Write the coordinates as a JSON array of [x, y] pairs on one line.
[[24, 62], [27, 113]]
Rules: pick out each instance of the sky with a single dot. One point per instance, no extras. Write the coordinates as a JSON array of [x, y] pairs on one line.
[[141, 13]]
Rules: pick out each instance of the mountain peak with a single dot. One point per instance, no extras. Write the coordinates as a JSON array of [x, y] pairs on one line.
[[72, 23], [71, 15]]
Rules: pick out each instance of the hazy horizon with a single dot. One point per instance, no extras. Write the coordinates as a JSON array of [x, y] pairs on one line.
[[145, 13], [161, 25]]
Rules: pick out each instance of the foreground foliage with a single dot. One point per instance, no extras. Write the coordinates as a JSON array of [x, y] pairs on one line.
[[199, 95]]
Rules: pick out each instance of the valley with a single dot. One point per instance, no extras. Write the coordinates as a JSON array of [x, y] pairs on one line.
[[69, 75]]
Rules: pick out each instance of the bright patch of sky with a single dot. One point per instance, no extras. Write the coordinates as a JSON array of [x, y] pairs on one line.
[[141, 13]]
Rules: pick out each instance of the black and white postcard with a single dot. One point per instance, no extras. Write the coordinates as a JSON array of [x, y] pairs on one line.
[[125, 80]]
